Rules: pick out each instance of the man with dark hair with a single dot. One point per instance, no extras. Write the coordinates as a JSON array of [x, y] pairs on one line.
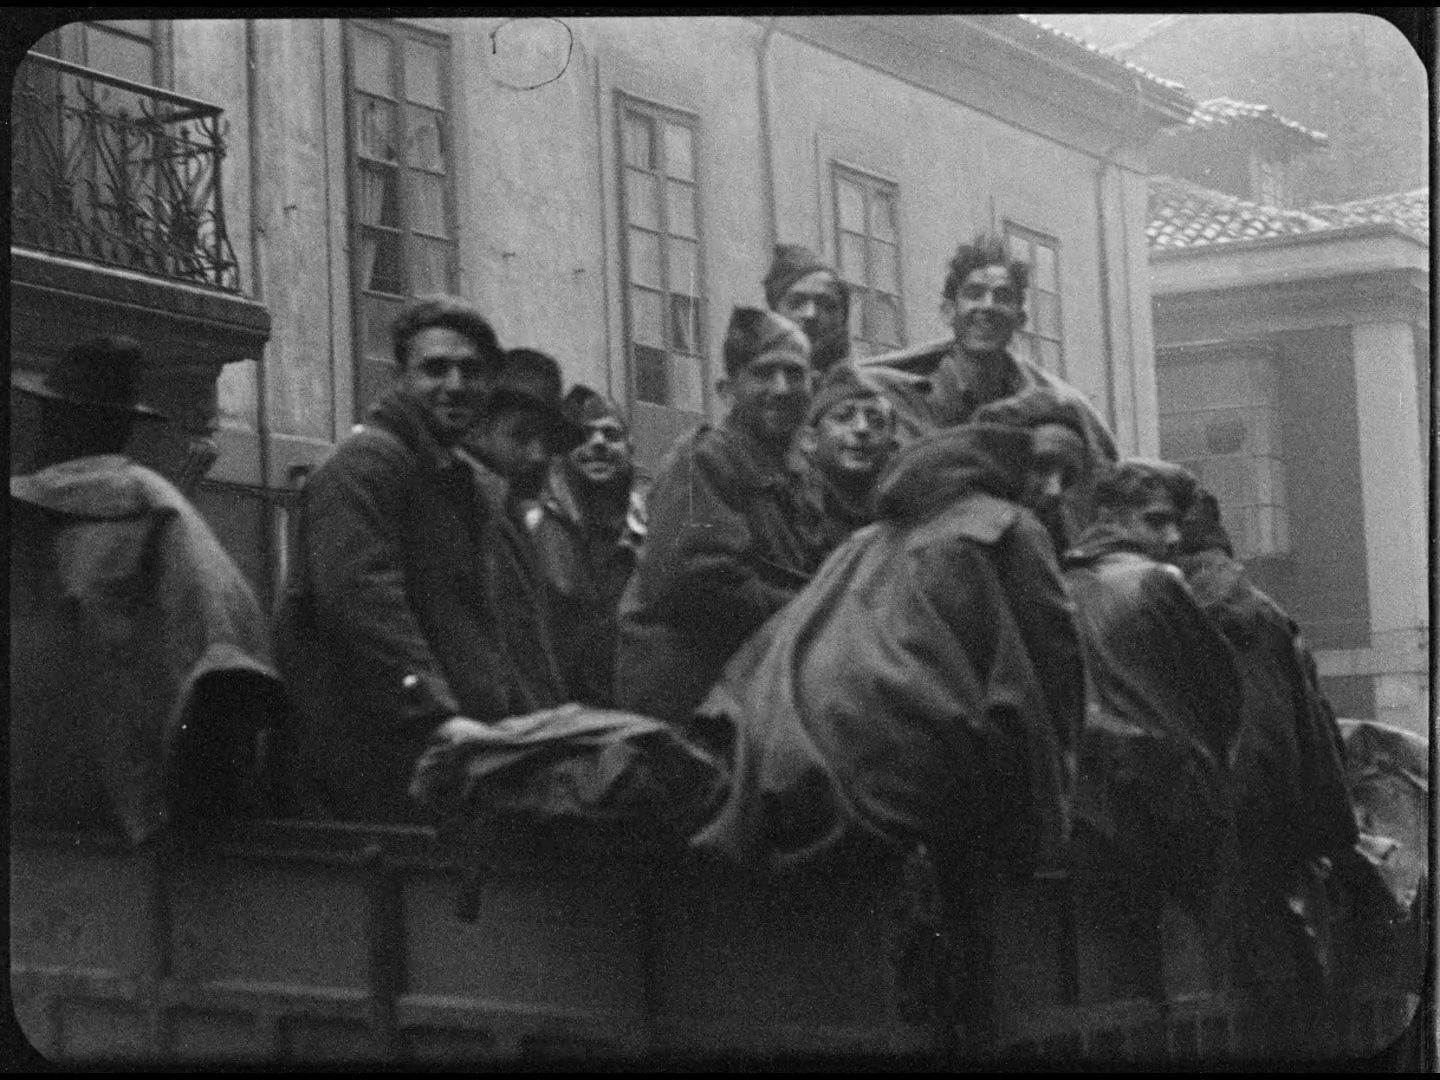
[[849, 435], [983, 299], [1293, 806], [412, 598], [806, 290], [140, 678], [1154, 817], [731, 534], [588, 527]]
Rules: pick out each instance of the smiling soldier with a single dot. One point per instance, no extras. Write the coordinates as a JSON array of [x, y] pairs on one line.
[[413, 597], [587, 527], [983, 300], [732, 536]]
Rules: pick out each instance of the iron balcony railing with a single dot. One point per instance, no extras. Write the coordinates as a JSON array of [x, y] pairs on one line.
[[115, 172]]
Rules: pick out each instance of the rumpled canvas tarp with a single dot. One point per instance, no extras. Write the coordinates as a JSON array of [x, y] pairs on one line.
[[139, 662], [925, 686]]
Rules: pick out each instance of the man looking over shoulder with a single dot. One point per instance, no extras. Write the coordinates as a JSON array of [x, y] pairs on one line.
[[983, 300], [732, 536], [410, 600]]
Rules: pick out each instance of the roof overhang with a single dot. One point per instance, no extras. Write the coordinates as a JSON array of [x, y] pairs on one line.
[[1331, 277], [1008, 67]]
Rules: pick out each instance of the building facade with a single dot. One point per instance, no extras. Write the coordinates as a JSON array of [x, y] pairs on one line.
[[1292, 359], [604, 189]]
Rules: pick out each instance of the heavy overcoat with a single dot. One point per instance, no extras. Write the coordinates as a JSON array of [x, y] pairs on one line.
[[925, 686], [731, 539], [586, 564], [409, 563], [929, 395], [140, 669], [1163, 715]]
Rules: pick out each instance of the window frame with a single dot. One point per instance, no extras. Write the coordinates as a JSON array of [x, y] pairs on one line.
[[1012, 231], [862, 336], [72, 43], [397, 34], [1276, 541], [659, 114]]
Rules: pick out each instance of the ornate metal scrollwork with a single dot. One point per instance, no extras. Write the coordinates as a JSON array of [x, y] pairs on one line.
[[116, 173]]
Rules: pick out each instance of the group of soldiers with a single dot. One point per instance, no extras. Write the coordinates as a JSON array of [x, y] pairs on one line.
[[906, 600]]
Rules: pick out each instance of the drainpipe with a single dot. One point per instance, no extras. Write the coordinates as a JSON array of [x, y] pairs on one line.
[[767, 160], [257, 290], [1102, 168]]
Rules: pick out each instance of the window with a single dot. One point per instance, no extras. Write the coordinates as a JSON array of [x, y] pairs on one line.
[[402, 212], [1218, 418], [1268, 182], [867, 242], [133, 49], [1041, 339], [663, 285]]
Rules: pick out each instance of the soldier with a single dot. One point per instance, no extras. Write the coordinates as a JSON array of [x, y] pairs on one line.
[[139, 665], [731, 533], [983, 299], [414, 597], [588, 527]]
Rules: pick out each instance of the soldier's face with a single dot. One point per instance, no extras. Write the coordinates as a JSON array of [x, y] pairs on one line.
[[446, 375], [814, 304], [853, 438], [987, 310], [1155, 525], [515, 441], [770, 394], [605, 453], [1060, 481]]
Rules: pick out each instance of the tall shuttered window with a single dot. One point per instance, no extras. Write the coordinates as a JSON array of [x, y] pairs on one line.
[[663, 256], [1219, 418], [402, 193], [867, 245], [1041, 340]]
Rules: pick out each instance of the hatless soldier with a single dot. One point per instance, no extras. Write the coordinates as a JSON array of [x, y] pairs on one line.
[[413, 597], [588, 527], [939, 386], [1154, 812], [731, 534]]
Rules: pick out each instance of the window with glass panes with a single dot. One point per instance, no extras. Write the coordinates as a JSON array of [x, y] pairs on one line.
[[134, 49], [402, 218], [867, 245], [1218, 418], [660, 206], [1041, 339]]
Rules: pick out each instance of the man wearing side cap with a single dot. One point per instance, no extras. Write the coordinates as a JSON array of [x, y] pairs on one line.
[[140, 677], [413, 598], [587, 527], [806, 290], [731, 534]]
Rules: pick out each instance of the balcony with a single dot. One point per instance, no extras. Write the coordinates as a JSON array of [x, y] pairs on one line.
[[117, 173], [118, 227]]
